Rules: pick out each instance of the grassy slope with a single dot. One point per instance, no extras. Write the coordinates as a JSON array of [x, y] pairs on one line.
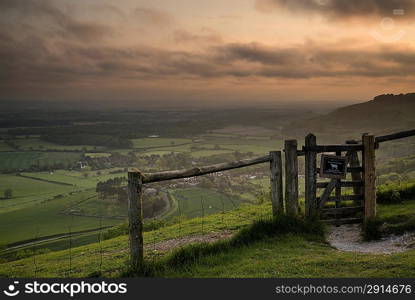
[[285, 255]]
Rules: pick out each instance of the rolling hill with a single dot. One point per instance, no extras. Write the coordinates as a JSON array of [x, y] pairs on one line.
[[384, 114]]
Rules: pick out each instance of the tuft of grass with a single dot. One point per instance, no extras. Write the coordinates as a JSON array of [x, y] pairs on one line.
[[257, 231]]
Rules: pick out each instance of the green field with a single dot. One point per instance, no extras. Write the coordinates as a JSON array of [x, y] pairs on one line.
[[26, 160], [97, 155], [47, 218], [194, 202], [208, 145], [27, 192], [85, 179], [5, 147], [158, 142], [38, 144]]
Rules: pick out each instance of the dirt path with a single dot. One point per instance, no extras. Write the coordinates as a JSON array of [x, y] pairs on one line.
[[347, 238]]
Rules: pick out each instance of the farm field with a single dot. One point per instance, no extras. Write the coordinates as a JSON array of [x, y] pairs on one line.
[[46, 218], [38, 144], [95, 155], [86, 179], [158, 142], [208, 145], [25, 160], [28, 192], [5, 147], [194, 202]]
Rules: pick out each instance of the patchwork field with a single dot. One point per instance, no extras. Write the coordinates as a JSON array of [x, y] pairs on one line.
[[28, 192], [158, 142], [25, 160], [34, 144], [48, 218]]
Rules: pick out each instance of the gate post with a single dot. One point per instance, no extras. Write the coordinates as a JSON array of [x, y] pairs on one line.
[[369, 176], [276, 183], [354, 163], [291, 177], [310, 173], [135, 217]]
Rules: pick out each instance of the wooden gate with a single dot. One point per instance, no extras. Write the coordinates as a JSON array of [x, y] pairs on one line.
[[339, 168]]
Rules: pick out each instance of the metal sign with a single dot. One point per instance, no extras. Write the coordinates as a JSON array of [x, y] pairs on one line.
[[332, 166]]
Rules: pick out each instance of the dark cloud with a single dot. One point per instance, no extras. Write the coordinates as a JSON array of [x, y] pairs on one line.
[[46, 18], [340, 8], [63, 50], [31, 61]]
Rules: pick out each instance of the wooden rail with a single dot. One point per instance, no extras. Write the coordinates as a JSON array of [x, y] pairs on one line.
[[395, 136], [178, 174]]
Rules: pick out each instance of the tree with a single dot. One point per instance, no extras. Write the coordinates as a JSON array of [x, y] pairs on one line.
[[8, 193]]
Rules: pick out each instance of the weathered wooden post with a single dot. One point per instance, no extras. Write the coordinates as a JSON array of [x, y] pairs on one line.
[[135, 217], [277, 198], [355, 163], [291, 177], [311, 209], [369, 176]]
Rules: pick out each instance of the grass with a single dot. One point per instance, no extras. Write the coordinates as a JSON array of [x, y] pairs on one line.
[[28, 192], [397, 213], [37, 144], [45, 219], [158, 142], [12, 161], [196, 201], [259, 230], [284, 253], [5, 147], [75, 178]]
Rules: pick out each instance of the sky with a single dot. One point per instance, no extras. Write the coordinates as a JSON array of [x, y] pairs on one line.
[[191, 51]]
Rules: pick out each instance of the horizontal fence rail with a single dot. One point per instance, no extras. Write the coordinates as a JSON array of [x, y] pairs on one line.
[[395, 136], [178, 174]]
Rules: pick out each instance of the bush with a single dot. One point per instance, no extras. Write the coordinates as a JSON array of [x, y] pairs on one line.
[[121, 229], [389, 197], [395, 194]]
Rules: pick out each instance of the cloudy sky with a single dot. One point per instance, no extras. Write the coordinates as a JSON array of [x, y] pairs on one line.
[[200, 51]]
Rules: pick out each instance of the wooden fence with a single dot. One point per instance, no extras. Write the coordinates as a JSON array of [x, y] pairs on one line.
[[367, 145]]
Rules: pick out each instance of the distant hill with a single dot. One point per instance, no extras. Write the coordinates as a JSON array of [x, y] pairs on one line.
[[384, 114]]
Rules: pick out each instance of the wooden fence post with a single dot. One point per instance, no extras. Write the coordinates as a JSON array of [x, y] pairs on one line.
[[276, 183], [135, 217], [291, 177], [311, 209], [354, 163], [369, 176]]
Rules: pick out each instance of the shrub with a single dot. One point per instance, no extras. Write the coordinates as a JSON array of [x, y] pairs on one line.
[[121, 229], [394, 193], [389, 197]]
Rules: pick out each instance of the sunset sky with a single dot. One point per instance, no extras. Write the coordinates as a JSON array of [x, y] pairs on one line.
[[191, 50]]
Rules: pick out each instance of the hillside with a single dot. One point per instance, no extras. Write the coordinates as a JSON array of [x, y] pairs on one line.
[[383, 114], [284, 247]]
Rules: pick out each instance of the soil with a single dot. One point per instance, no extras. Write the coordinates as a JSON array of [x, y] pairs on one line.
[[348, 238]]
